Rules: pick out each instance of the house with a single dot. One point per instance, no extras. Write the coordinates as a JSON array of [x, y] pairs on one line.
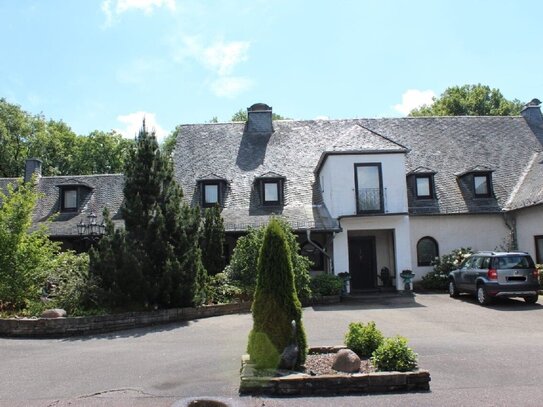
[[367, 195], [371, 197]]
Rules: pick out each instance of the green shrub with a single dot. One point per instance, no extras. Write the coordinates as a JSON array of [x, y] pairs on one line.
[[243, 265], [438, 278], [394, 355], [363, 339], [275, 303], [219, 291], [326, 284]]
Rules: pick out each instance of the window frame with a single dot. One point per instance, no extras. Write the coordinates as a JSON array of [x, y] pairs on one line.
[[381, 209], [205, 184], [488, 179], [436, 247], [430, 179], [279, 182], [63, 192]]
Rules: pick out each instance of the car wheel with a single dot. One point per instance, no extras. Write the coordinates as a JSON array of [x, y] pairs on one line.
[[532, 299], [482, 296], [453, 291]]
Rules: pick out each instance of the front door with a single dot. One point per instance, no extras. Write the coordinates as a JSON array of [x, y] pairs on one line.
[[362, 264]]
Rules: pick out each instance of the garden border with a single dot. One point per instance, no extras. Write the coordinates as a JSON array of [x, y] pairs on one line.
[[301, 384], [72, 326]]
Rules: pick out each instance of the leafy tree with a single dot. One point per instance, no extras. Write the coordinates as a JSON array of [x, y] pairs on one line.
[[15, 128], [25, 257], [243, 264], [100, 153], [275, 303], [241, 116], [157, 261], [168, 145], [470, 100], [212, 243]]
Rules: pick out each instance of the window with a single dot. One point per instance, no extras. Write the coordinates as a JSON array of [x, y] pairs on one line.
[[539, 249], [69, 200], [427, 251], [271, 192], [481, 185], [369, 190], [270, 188], [210, 194], [424, 186]]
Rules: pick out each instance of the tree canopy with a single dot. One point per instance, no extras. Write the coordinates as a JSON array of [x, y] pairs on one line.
[[61, 150], [241, 116], [470, 100]]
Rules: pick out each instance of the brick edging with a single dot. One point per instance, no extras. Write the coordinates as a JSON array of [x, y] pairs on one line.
[[300, 384], [62, 327]]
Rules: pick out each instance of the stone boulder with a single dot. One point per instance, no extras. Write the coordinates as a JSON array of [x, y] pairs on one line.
[[54, 313], [346, 361]]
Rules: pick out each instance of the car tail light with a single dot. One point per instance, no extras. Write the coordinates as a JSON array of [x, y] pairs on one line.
[[492, 274]]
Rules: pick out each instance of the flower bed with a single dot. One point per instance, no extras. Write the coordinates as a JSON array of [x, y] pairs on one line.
[[283, 383]]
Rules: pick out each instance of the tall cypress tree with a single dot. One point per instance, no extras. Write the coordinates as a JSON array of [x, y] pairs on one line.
[[162, 232], [275, 303], [213, 241]]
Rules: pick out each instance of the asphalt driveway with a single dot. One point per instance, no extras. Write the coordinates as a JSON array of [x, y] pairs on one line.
[[477, 356]]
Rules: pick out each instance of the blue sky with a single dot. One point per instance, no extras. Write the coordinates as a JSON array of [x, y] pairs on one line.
[[103, 64]]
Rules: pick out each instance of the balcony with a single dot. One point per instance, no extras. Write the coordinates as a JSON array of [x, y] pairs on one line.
[[371, 200]]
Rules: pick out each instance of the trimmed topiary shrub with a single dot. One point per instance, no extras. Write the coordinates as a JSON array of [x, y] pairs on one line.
[[326, 284], [363, 339], [275, 303], [394, 355]]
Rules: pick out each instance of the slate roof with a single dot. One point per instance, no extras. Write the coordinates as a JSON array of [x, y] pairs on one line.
[[450, 147], [530, 188], [99, 191]]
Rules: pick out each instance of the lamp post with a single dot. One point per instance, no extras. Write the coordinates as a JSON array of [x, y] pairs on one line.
[[91, 230]]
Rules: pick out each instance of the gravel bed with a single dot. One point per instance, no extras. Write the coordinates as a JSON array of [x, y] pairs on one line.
[[321, 364]]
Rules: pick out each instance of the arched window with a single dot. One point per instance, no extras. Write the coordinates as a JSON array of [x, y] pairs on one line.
[[315, 255], [427, 251]]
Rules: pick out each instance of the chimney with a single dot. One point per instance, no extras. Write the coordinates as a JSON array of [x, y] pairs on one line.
[[32, 166], [532, 113], [259, 119]]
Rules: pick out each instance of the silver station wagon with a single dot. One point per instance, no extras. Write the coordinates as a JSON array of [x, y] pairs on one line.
[[496, 274]]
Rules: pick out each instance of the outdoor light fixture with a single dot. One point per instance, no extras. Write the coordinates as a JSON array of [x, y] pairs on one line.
[[90, 229]]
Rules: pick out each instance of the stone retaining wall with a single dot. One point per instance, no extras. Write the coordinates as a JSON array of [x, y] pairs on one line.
[[301, 384], [60, 327]]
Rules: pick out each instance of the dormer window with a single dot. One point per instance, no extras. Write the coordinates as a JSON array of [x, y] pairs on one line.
[[73, 194], [271, 188], [481, 185], [424, 186], [212, 189], [69, 201]]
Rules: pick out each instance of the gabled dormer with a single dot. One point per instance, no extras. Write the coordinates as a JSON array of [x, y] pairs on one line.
[[479, 181], [271, 189], [421, 182], [212, 190], [72, 195]]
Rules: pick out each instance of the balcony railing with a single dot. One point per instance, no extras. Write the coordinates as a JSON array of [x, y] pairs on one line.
[[371, 200]]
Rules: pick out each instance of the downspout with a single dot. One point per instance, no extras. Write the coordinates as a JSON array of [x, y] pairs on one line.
[[511, 223], [316, 246]]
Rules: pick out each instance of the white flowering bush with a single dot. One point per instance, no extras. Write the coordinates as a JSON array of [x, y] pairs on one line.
[[437, 279]]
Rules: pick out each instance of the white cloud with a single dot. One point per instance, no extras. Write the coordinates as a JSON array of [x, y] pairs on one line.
[[117, 7], [414, 98], [220, 57], [230, 86], [133, 121]]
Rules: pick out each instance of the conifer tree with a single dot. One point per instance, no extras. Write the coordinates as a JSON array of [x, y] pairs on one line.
[[160, 246], [275, 303], [213, 241]]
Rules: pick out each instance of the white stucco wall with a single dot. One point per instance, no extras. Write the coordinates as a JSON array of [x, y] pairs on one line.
[[362, 226], [529, 225], [480, 232], [338, 182]]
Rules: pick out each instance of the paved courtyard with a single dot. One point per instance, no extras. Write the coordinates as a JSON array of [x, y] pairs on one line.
[[476, 356]]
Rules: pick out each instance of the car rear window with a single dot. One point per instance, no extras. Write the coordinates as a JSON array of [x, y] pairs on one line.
[[514, 262]]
